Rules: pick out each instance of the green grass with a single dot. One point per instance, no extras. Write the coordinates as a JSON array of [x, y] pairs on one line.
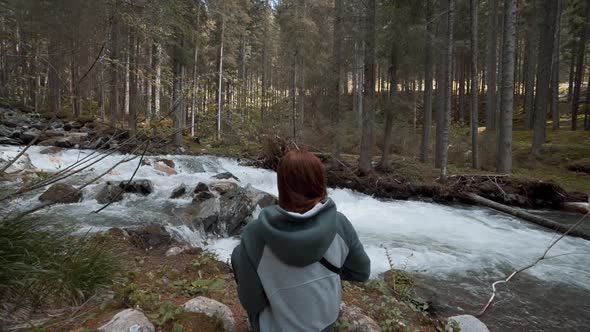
[[42, 264]]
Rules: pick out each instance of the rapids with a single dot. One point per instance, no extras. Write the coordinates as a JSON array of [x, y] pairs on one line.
[[455, 252]]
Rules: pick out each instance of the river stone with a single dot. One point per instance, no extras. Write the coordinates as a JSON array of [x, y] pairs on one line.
[[175, 251], [149, 237], [261, 198], [203, 196], [51, 150], [61, 193], [23, 163], [109, 192], [143, 187], [200, 214], [201, 187], [355, 321], [166, 162], [9, 141], [29, 135], [235, 208], [212, 308], [226, 176], [129, 320], [5, 131], [468, 323], [223, 186], [178, 191]]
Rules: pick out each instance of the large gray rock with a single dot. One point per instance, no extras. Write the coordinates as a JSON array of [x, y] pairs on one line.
[[109, 192], [61, 193], [200, 214], [355, 321], [226, 176], [212, 308], [142, 187], [9, 141], [236, 206], [261, 198], [468, 323], [23, 163], [5, 131], [129, 320], [223, 186], [178, 191], [28, 136]]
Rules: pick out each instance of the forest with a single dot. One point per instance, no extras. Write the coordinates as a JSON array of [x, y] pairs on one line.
[[139, 137]]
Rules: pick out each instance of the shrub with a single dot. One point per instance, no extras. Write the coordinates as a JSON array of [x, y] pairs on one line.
[[41, 263]]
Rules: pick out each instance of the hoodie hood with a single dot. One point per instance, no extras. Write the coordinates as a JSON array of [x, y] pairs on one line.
[[299, 240]]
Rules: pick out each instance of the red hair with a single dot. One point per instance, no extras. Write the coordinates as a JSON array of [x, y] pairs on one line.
[[302, 181]]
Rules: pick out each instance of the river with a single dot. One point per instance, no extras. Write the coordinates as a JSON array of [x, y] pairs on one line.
[[455, 252]]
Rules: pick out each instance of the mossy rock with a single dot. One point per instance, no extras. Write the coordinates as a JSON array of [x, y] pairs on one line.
[[581, 165]]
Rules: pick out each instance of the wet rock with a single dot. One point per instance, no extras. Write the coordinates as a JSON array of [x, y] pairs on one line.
[[166, 162], [226, 176], [54, 133], [175, 251], [23, 163], [161, 167], [51, 150], [5, 131], [63, 142], [149, 237], [109, 192], [235, 208], [223, 186], [261, 198], [468, 323], [72, 125], [212, 308], [352, 317], [9, 141], [29, 135], [201, 187], [61, 193], [201, 214], [203, 196], [56, 125], [142, 187], [129, 320], [178, 191]]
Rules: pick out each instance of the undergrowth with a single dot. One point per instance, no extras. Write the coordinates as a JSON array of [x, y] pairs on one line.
[[42, 264]]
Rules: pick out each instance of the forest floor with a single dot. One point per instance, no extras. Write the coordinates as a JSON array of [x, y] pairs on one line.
[[160, 284]]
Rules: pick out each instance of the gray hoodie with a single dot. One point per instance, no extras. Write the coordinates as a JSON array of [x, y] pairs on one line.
[[288, 268]]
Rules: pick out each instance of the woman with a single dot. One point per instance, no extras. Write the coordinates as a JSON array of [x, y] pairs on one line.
[[291, 259]]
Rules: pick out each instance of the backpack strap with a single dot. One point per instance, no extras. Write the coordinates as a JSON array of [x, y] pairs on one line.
[[329, 265]]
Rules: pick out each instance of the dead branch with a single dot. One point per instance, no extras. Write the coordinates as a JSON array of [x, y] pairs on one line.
[[543, 257]]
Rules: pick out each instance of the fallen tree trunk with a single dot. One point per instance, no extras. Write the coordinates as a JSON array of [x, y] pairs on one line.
[[578, 207], [527, 216]]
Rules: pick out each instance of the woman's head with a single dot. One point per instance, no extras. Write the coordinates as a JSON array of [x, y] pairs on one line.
[[302, 181]]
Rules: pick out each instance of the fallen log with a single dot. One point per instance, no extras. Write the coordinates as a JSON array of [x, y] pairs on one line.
[[578, 207], [541, 221]]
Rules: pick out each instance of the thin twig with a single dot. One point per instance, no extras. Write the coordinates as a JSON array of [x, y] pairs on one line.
[[543, 257]]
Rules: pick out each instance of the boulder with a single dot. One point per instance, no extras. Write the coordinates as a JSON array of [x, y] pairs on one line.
[[109, 192], [56, 125], [261, 198], [200, 188], [200, 214], [143, 187], [175, 251], [235, 208], [203, 196], [51, 150], [468, 323], [161, 167], [61, 193], [29, 135], [72, 125], [5, 131], [22, 164], [226, 176], [9, 141], [166, 162], [63, 142], [129, 320], [212, 308], [355, 321], [223, 186], [149, 237], [178, 191]]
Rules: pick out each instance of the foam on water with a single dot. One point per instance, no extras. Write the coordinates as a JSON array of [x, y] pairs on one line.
[[428, 238]]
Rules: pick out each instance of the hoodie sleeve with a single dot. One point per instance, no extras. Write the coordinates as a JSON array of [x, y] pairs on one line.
[[250, 290], [357, 266]]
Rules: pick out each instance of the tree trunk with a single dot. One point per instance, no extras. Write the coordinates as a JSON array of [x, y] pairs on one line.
[[491, 58], [177, 95], [53, 79], [473, 95], [580, 67], [531, 47], [220, 75], [133, 93], [336, 85], [504, 156], [385, 163], [369, 93], [461, 68], [440, 86], [448, 89], [570, 87], [555, 70], [547, 30], [264, 101], [427, 119], [158, 79], [150, 86]]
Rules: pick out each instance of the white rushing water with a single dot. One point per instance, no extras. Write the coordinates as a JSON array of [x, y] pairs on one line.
[[428, 238]]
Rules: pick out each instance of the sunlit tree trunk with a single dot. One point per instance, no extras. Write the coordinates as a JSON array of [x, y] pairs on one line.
[[555, 70], [491, 58], [448, 92], [581, 52], [474, 91], [504, 155], [427, 118], [366, 148]]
